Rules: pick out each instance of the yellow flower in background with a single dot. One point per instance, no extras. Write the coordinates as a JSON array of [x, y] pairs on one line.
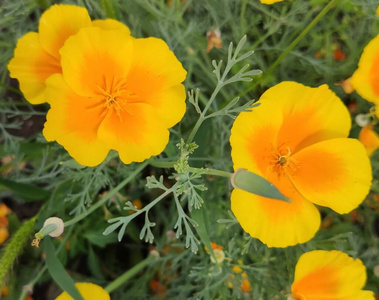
[[115, 92], [333, 274], [37, 56], [89, 291], [270, 1], [365, 79], [297, 140], [369, 138]]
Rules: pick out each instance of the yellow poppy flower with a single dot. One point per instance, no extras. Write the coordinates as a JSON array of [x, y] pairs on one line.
[[365, 79], [333, 274], [115, 92], [89, 291], [369, 138], [37, 56], [297, 140], [270, 1]]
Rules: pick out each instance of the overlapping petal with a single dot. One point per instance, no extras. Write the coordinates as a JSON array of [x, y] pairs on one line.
[[73, 121], [335, 173], [329, 275], [96, 60], [110, 24], [89, 291], [276, 223], [365, 79], [32, 65], [369, 138], [58, 23], [309, 115]]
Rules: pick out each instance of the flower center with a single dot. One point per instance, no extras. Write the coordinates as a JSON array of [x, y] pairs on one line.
[[115, 99], [282, 162]]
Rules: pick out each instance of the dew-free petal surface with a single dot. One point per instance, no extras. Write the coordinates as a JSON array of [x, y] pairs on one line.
[[110, 24], [89, 291], [60, 22], [32, 65], [333, 275], [73, 121], [96, 59], [335, 173]]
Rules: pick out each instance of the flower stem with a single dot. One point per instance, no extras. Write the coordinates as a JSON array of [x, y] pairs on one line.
[[15, 247], [128, 274], [321, 14], [103, 200]]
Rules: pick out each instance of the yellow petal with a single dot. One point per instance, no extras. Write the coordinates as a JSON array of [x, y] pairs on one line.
[[253, 138], [60, 22], [333, 275], [89, 291], [270, 1], [155, 78], [276, 223], [73, 121], [334, 173], [135, 132], [4, 234], [369, 138], [95, 59], [365, 79], [310, 115], [110, 24], [31, 65]]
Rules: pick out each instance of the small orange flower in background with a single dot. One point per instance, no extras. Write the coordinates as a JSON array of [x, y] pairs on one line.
[[37, 56], [89, 291], [4, 233], [297, 140], [333, 274], [365, 79], [369, 138]]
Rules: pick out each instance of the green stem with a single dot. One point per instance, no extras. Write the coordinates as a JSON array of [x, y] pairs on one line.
[[108, 196], [162, 164], [292, 45], [15, 247], [128, 274]]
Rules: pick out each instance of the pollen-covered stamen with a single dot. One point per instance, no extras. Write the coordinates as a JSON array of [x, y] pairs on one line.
[[282, 161]]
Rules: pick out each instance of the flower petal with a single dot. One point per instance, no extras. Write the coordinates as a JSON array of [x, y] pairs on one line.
[[369, 138], [333, 274], [334, 173], [310, 115], [95, 58], [73, 122], [276, 223], [365, 79], [89, 291], [60, 22], [253, 138], [31, 65], [136, 132], [110, 24], [155, 78]]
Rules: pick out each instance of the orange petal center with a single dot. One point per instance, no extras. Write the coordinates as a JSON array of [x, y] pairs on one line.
[[374, 75]]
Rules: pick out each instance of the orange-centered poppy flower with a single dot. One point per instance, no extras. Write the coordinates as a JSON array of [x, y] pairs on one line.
[[115, 92], [297, 140], [89, 291], [37, 56], [333, 274], [365, 79]]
